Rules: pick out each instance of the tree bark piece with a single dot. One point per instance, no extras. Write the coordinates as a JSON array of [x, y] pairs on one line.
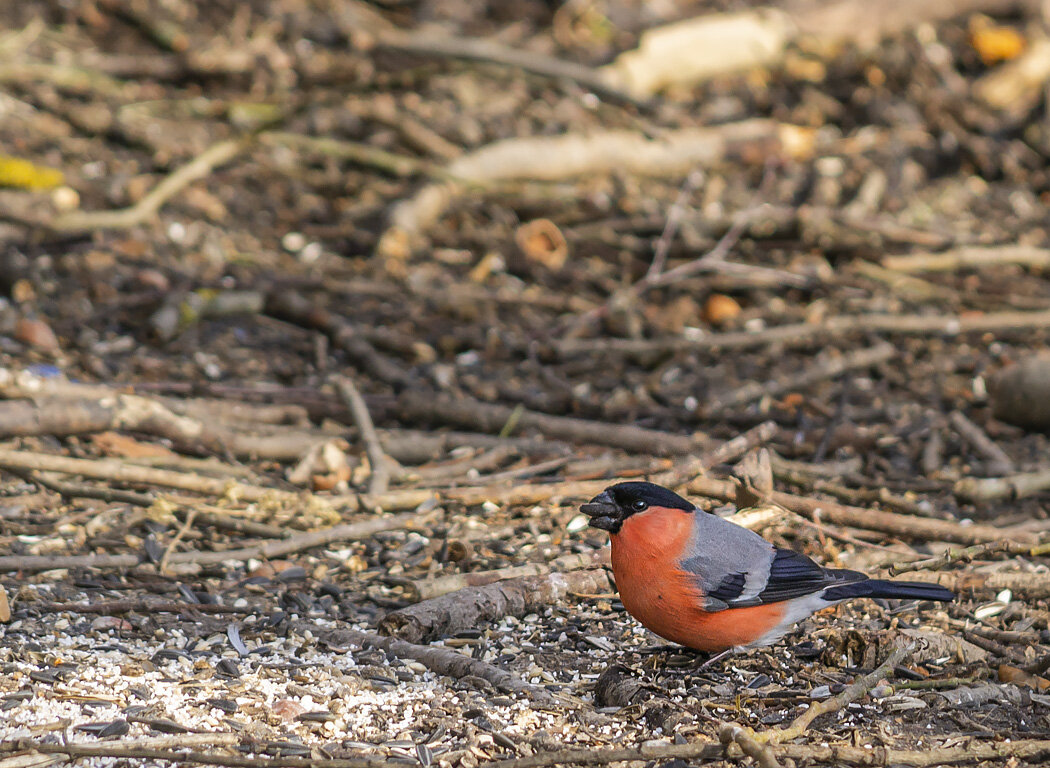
[[430, 588], [474, 606]]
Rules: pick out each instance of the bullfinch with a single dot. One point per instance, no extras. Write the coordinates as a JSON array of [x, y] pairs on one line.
[[706, 583]]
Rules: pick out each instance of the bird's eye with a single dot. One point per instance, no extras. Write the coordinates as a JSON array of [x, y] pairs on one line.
[[639, 505]]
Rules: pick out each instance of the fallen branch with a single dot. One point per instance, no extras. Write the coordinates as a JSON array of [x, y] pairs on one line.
[[121, 750], [964, 556], [907, 526], [263, 551], [119, 472], [1027, 750], [731, 449], [90, 221], [489, 52], [808, 333], [295, 308], [647, 752], [474, 606], [178, 741], [443, 661], [465, 412], [62, 416], [140, 605]]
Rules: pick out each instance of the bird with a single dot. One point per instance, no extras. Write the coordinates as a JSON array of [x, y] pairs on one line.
[[704, 582]]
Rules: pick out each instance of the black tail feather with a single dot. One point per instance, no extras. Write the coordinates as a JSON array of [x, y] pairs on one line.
[[897, 590]]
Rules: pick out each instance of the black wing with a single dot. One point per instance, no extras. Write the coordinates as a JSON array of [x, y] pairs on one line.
[[794, 575]]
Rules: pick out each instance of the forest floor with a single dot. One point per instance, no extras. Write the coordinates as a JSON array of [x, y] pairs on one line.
[[321, 319]]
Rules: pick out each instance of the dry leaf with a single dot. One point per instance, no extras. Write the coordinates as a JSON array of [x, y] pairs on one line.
[[22, 174], [1010, 674], [38, 334], [720, 309], [541, 241], [116, 444], [995, 43]]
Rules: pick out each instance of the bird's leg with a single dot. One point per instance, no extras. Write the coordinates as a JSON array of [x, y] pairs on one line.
[[718, 657]]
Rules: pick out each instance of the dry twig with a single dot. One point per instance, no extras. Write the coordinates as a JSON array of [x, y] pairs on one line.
[[216, 155], [379, 479]]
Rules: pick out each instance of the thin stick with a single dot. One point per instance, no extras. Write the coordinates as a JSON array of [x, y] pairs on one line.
[[761, 753], [959, 556], [187, 524], [119, 472], [859, 687], [263, 551], [674, 218], [143, 605], [727, 451], [125, 218], [999, 463], [492, 53], [379, 480], [822, 370], [176, 755], [806, 333]]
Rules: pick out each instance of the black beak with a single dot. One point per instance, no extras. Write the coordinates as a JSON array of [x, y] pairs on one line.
[[604, 512]]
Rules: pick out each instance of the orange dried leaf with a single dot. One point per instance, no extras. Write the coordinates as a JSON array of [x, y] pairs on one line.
[[720, 309], [38, 334], [541, 241], [116, 444], [994, 43], [1017, 676]]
